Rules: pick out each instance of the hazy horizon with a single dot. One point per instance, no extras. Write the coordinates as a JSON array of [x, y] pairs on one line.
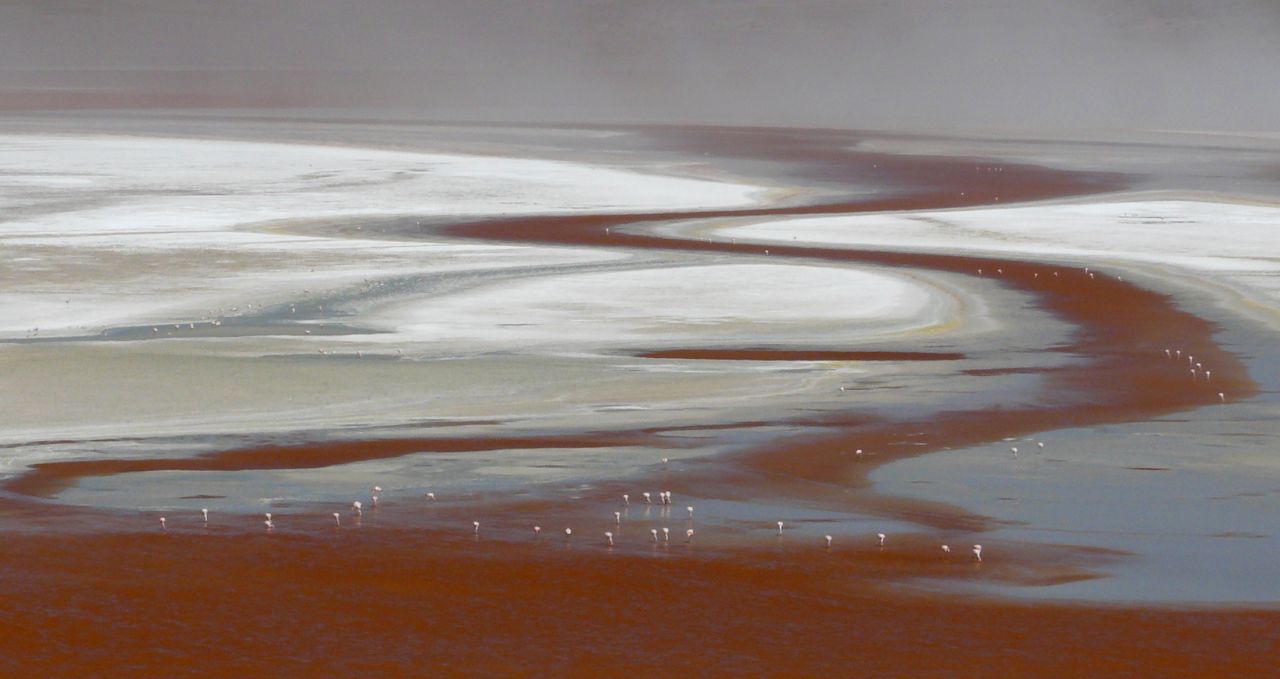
[[1038, 64]]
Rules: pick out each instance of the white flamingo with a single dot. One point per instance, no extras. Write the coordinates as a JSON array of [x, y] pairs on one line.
[[609, 536], [653, 533], [828, 539], [358, 507], [162, 524], [666, 535], [617, 517], [688, 535], [475, 527], [880, 538], [626, 499], [977, 553], [779, 528], [690, 510], [946, 548], [337, 519], [205, 513], [537, 530], [647, 500]]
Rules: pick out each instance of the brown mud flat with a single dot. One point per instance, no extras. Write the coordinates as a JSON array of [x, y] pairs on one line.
[[799, 355], [416, 604]]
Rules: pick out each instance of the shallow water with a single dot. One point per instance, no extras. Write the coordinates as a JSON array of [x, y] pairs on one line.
[[444, 335]]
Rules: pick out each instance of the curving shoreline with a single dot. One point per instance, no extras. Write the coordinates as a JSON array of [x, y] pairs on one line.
[[396, 600]]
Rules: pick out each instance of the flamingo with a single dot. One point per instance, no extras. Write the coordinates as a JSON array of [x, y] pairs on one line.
[[358, 508], [537, 530], [1014, 450], [609, 536], [946, 548], [664, 460], [1040, 443], [268, 524], [653, 533], [666, 535], [162, 524], [431, 496], [880, 537], [647, 499], [688, 535], [475, 527], [568, 533], [828, 539], [690, 510], [977, 553], [779, 528], [337, 519], [1222, 397], [374, 502], [204, 512], [626, 499], [617, 517]]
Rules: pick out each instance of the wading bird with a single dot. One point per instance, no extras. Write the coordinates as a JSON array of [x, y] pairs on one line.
[[977, 552], [880, 538]]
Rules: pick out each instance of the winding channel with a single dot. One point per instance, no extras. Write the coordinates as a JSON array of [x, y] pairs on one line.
[[1120, 333]]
